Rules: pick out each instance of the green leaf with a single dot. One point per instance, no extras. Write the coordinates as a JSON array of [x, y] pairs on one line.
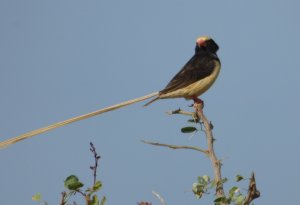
[[201, 180], [232, 191], [224, 180], [238, 178], [94, 201], [188, 129], [213, 184], [198, 190], [103, 200], [206, 178], [37, 197], [97, 186], [72, 183], [239, 199], [220, 199]]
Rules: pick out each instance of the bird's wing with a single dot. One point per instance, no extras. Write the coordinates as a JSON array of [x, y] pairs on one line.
[[197, 68]]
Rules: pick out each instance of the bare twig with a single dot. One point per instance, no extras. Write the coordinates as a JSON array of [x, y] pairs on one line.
[[211, 153], [182, 112], [96, 157], [80, 192], [179, 111], [176, 146], [161, 199], [253, 193]]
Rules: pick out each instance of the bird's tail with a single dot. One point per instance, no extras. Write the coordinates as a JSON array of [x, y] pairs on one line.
[[74, 119], [151, 101]]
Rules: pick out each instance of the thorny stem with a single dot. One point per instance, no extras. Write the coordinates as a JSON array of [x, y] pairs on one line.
[[210, 146], [253, 193]]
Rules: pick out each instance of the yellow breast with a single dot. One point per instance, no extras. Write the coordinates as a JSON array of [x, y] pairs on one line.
[[196, 88]]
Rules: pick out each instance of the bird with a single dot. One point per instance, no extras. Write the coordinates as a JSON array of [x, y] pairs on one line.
[[194, 78]]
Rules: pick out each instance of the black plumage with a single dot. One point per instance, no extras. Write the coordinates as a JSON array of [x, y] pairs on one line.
[[201, 65], [204, 64]]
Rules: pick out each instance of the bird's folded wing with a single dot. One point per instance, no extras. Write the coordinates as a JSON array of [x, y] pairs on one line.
[[195, 69]]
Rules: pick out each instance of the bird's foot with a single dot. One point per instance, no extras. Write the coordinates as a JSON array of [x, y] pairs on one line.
[[198, 101]]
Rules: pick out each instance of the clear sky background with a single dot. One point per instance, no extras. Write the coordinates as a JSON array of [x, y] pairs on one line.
[[60, 59]]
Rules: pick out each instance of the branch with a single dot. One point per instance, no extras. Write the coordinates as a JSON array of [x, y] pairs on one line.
[[199, 116], [177, 147], [63, 198], [179, 111], [253, 193], [211, 153], [161, 199]]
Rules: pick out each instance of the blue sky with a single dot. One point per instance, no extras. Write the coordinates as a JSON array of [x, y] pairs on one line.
[[60, 59]]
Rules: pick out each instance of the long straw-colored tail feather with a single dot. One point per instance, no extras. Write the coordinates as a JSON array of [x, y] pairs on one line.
[[74, 119]]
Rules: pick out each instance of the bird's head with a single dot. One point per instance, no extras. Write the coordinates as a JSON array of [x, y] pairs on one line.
[[206, 43]]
